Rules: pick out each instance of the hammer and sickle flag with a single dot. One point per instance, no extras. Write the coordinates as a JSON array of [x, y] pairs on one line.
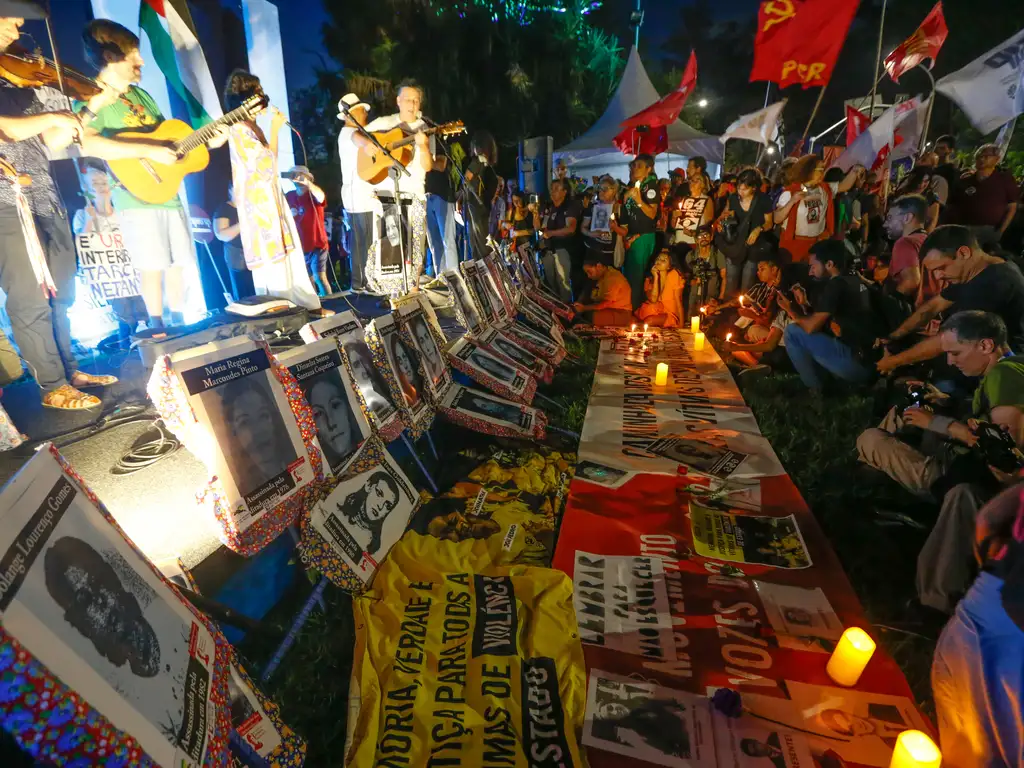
[[798, 41], [923, 44]]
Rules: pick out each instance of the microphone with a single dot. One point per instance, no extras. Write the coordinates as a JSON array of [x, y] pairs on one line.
[[425, 119]]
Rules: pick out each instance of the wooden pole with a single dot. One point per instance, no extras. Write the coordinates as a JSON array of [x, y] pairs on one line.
[[814, 113], [878, 61], [928, 113]]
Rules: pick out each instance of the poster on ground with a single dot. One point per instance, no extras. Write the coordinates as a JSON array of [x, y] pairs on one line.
[[648, 722], [86, 605], [740, 743], [622, 604], [746, 538]]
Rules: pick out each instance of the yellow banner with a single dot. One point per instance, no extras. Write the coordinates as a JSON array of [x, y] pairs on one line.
[[461, 669]]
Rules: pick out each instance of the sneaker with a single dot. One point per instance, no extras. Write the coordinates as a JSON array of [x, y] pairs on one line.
[[755, 372]]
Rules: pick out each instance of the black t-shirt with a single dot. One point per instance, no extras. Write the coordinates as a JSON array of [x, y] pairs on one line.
[[848, 301], [484, 182], [633, 217], [949, 172], [438, 183], [999, 288], [525, 223], [735, 247], [556, 219], [233, 254]]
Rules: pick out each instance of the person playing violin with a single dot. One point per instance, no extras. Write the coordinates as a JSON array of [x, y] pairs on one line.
[[32, 121], [157, 235]]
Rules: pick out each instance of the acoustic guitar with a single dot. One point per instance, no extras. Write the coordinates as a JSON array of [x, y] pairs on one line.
[[374, 168], [156, 182]]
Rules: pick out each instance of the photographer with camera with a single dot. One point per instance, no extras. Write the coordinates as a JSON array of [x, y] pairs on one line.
[[836, 332], [963, 463]]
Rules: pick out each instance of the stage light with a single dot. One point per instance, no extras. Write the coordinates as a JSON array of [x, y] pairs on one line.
[[770, 150], [853, 652], [915, 750], [702, 103]]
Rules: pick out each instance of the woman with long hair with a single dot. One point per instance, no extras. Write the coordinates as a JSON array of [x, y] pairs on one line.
[[482, 183], [524, 219], [746, 217], [806, 209], [664, 305], [368, 507], [270, 241], [259, 447], [405, 370], [336, 427]]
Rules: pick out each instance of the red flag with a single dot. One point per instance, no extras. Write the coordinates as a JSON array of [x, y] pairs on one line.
[[856, 122], [798, 41], [923, 44], [665, 110], [632, 141]]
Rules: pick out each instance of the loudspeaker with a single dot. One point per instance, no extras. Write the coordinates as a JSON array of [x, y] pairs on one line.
[[535, 168]]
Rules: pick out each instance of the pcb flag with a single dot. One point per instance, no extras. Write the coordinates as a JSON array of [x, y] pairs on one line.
[[761, 126], [990, 90]]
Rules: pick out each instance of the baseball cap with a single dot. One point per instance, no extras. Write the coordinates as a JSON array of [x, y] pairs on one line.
[[352, 101], [297, 171]]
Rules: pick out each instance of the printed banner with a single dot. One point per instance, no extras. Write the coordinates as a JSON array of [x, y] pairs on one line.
[[742, 538], [461, 668]]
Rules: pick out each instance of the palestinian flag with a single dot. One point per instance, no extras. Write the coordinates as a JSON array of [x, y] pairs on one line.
[[176, 50]]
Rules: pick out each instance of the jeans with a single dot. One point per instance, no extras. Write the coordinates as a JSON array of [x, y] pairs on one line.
[[360, 231], [739, 277], [809, 350], [441, 234], [557, 268]]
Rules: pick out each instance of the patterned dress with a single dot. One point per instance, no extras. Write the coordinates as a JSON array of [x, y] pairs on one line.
[[270, 240], [10, 437]]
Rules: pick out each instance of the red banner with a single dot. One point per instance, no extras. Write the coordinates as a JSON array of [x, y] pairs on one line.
[[798, 41], [665, 110], [632, 141], [856, 122], [923, 44]]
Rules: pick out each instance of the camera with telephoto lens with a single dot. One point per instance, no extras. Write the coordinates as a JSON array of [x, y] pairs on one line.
[[997, 447]]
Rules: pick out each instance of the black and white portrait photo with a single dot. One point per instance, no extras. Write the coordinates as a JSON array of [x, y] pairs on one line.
[[464, 301], [426, 345], [484, 405], [250, 429], [480, 289], [601, 474], [493, 366], [514, 352], [406, 368], [338, 428], [369, 380]]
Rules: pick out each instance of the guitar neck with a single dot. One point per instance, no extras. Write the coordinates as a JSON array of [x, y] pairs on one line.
[[197, 138], [410, 139]]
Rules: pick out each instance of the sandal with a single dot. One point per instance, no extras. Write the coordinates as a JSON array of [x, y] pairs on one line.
[[67, 398], [93, 381]]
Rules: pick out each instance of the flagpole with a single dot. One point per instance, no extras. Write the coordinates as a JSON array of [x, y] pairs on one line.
[[878, 61], [928, 113], [814, 113]]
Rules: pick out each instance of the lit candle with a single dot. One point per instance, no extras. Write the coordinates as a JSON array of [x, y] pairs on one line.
[[632, 329], [852, 654], [645, 330], [661, 375], [728, 336], [742, 299], [698, 341], [915, 750], [694, 323]]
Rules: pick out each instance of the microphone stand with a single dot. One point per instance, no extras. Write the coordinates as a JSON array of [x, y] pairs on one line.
[[395, 176]]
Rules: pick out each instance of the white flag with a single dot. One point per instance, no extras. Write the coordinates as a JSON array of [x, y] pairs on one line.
[[909, 125], [874, 142], [990, 90], [761, 126]]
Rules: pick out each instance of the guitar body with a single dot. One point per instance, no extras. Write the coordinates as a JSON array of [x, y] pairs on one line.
[[374, 169], [157, 183]]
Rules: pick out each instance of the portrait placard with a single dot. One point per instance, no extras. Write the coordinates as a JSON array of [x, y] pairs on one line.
[[341, 425], [492, 414], [371, 385], [104, 625], [501, 344], [496, 373], [255, 447], [527, 263], [495, 268], [417, 320], [466, 310], [401, 367], [365, 514], [478, 278]]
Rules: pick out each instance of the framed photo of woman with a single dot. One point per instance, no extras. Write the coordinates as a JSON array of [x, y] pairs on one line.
[[416, 318], [256, 450], [492, 414], [495, 372], [402, 368], [466, 310], [341, 426], [478, 277]]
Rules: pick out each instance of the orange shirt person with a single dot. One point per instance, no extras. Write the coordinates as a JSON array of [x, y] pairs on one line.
[[611, 300]]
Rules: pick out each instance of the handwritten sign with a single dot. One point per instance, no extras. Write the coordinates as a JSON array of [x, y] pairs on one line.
[[106, 267]]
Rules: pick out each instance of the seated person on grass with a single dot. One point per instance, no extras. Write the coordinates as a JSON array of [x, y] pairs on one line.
[[943, 465], [837, 331], [664, 288], [706, 266], [976, 672], [974, 280], [756, 309], [610, 302], [769, 353]]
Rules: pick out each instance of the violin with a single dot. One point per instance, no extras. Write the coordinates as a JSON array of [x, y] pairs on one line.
[[28, 69]]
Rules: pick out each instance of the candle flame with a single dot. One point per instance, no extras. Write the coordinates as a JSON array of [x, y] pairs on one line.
[[632, 328], [645, 327], [728, 337], [742, 299], [703, 310]]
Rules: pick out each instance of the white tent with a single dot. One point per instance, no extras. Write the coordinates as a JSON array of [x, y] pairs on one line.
[[593, 153]]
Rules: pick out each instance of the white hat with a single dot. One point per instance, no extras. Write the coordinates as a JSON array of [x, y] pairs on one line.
[[351, 101]]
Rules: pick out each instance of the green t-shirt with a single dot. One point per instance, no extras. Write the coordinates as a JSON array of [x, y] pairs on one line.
[[134, 111], [1003, 385]]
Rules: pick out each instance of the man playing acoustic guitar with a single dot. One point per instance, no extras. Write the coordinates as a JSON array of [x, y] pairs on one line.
[[33, 120], [157, 235]]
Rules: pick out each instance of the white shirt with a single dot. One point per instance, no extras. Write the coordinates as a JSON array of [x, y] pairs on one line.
[[356, 194], [412, 184], [811, 215]]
